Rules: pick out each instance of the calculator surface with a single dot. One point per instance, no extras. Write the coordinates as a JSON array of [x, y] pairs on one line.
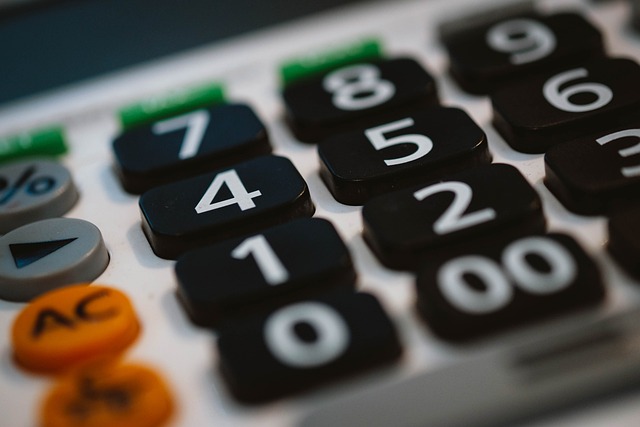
[[248, 67]]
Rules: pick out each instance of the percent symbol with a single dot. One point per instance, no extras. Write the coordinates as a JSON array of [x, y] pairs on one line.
[[32, 186]]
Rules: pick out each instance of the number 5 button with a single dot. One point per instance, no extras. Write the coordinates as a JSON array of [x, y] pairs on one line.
[[399, 153], [405, 227], [208, 208], [536, 113], [186, 145]]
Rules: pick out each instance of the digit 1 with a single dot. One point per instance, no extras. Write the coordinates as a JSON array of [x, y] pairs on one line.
[[269, 265]]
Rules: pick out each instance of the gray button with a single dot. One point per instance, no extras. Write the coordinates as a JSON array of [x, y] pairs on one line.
[[48, 254], [33, 190]]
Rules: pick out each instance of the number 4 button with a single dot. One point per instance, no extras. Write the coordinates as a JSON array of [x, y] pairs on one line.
[[198, 211], [186, 145]]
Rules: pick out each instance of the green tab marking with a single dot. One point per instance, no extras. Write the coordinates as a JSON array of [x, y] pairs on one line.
[[169, 104], [41, 142], [310, 65]]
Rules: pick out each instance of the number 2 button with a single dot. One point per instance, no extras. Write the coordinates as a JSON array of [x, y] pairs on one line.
[[207, 208], [357, 96], [405, 227], [186, 145], [536, 113]]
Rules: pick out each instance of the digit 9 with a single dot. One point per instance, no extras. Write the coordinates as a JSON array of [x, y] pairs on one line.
[[525, 39]]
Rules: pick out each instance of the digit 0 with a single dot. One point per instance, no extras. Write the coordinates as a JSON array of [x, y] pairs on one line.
[[498, 292]]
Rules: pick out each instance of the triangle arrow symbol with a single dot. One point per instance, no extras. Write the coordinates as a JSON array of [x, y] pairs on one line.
[[25, 254]]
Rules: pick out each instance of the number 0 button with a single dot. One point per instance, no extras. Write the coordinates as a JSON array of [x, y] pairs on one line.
[[208, 208], [47, 254], [182, 146]]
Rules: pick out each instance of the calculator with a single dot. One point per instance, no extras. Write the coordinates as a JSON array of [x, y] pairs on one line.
[[332, 213]]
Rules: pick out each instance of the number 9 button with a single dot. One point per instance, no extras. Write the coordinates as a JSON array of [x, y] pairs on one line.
[[468, 294], [356, 96], [483, 57]]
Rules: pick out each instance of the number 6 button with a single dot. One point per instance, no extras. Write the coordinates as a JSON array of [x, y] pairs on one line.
[[508, 282], [301, 256], [198, 211], [536, 113], [186, 145], [405, 227], [402, 152]]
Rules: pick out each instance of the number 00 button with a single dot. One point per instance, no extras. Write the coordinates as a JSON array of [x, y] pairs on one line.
[[244, 199]]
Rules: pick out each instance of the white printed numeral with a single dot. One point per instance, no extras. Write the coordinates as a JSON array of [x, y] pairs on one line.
[[268, 262], [627, 172], [525, 39], [331, 330], [498, 292], [379, 141], [195, 123], [455, 218], [561, 98], [241, 196], [358, 87]]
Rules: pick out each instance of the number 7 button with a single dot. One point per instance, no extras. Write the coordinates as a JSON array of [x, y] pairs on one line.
[[230, 202]]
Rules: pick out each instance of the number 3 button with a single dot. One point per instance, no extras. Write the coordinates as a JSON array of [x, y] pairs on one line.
[[198, 211]]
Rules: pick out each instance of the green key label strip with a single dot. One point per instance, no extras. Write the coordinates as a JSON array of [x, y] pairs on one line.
[[172, 103], [306, 66], [42, 142]]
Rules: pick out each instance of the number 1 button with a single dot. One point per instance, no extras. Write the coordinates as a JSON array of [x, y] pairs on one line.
[[300, 257], [182, 146], [248, 197]]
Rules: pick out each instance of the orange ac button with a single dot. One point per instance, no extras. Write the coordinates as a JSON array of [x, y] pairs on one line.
[[106, 396], [72, 325]]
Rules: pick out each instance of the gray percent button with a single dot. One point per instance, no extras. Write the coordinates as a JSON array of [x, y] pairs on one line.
[[32, 190], [48, 254]]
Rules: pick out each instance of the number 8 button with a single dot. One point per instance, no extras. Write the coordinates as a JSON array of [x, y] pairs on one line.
[[536, 113], [357, 96]]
